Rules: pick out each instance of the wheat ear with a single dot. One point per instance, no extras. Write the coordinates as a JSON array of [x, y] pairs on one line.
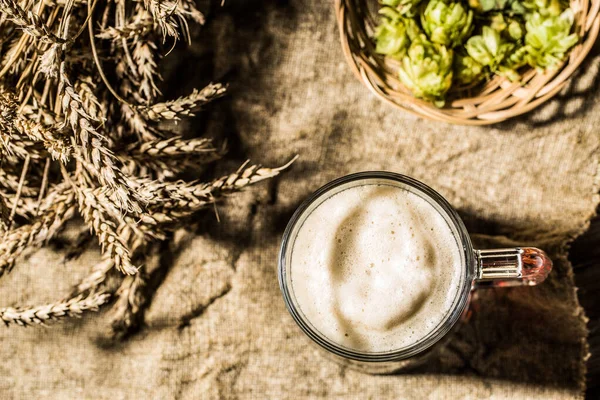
[[29, 22], [129, 304], [94, 207], [184, 106], [176, 146], [180, 199], [40, 315]]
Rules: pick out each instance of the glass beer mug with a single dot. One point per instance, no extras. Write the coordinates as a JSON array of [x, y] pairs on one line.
[[478, 268]]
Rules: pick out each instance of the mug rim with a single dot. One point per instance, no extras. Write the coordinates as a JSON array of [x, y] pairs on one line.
[[443, 327]]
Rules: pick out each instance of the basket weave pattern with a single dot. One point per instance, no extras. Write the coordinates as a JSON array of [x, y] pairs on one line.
[[496, 100]]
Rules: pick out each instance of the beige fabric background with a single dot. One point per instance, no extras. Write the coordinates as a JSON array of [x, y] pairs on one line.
[[217, 326]]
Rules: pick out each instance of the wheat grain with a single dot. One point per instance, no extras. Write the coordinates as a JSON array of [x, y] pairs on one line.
[[156, 157], [85, 87], [39, 114], [189, 9], [8, 113], [137, 124], [25, 207]]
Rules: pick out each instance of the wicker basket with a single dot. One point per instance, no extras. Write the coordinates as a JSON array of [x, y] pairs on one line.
[[485, 104]]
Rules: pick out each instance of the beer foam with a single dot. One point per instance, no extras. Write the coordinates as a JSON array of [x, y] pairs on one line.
[[375, 268]]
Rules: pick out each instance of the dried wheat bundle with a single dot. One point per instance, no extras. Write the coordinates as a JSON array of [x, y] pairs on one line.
[[72, 145]]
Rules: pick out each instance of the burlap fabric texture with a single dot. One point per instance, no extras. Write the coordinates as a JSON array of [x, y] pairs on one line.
[[217, 327]]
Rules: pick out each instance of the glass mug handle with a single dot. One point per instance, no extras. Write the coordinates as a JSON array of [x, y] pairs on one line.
[[520, 266]]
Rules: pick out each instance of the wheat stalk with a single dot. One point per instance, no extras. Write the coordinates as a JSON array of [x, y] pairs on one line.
[[20, 52], [11, 182]]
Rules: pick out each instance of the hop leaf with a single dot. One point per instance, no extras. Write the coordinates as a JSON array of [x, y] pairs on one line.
[[408, 8], [466, 69], [446, 23], [392, 34], [427, 70], [548, 39], [488, 49]]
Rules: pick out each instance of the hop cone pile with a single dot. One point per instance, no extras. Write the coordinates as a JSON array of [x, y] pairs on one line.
[[84, 131], [468, 41]]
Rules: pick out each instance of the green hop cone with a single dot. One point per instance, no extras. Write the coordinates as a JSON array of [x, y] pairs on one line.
[[488, 49], [548, 39], [408, 8], [426, 70], [391, 34], [466, 69], [446, 23]]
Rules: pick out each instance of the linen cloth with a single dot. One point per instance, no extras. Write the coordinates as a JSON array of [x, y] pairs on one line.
[[217, 327]]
